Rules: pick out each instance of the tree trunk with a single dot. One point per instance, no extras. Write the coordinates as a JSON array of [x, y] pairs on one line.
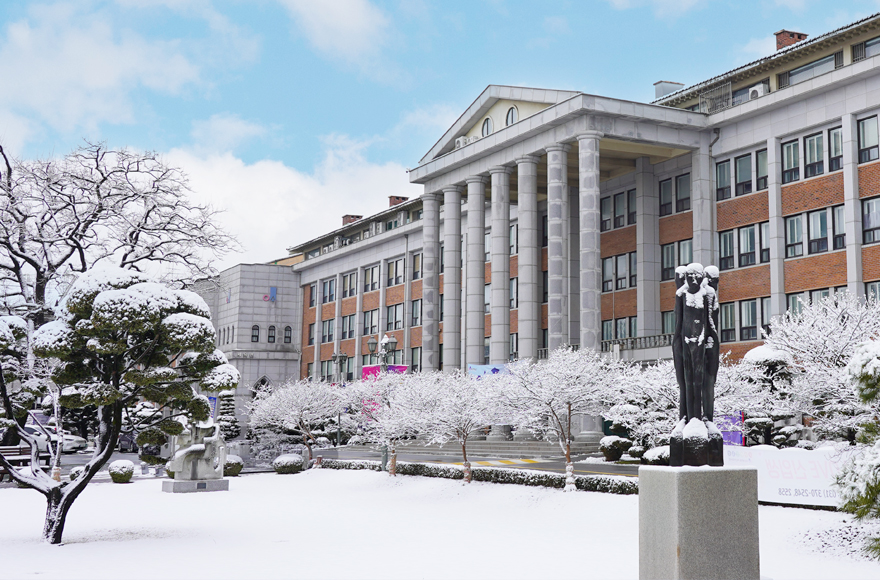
[[468, 476], [57, 506], [392, 469]]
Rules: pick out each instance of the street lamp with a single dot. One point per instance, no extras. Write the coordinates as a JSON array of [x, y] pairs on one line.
[[339, 360], [388, 344]]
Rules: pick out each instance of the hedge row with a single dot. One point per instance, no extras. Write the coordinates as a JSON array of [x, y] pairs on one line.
[[602, 483]]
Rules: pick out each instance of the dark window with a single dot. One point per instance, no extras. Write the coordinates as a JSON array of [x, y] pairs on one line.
[[255, 333], [271, 336], [667, 253], [313, 293], [835, 149], [765, 242], [743, 170], [417, 267], [631, 206], [288, 334], [761, 169], [329, 291], [794, 237], [722, 180], [838, 227], [725, 245], [633, 267], [545, 294], [814, 155], [605, 207], [607, 275], [311, 334], [544, 231], [619, 210], [327, 330], [868, 141], [728, 322], [666, 197], [683, 192], [790, 162]]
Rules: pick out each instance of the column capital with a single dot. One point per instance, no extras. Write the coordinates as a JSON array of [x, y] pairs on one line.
[[476, 179], [589, 135], [451, 189], [528, 159], [500, 169], [431, 196], [565, 147]]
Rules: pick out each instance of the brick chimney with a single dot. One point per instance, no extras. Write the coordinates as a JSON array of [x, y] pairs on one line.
[[395, 199], [786, 38], [348, 219]]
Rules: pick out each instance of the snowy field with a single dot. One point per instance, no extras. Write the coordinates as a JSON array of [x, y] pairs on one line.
[[361, 524]]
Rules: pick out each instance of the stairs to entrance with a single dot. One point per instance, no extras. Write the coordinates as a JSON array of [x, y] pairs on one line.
[[499, 449]]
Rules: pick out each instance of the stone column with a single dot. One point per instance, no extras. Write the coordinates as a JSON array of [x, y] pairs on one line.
[[852, 206], [777, 228], [337, 321], [407, 306], [475, 324], [319, 324], [529, 260], [499, 345], [703, 203], [590, 256], [557, 245], [647, 249], [431, 281], [452, 278], [383, 286], [359, 325]]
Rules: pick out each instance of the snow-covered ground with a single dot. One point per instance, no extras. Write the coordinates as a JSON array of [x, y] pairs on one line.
[[360, 524]]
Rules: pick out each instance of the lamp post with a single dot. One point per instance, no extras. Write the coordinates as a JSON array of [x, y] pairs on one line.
[[339, 360], [388, 344]]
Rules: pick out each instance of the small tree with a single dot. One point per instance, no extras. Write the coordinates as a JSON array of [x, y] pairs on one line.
[[120, 338], [226, 416]]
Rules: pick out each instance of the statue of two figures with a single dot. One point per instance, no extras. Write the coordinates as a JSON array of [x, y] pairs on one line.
[[200, 454], [695, 351]]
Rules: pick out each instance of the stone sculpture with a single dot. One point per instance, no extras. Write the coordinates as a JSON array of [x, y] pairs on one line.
[[201, 453], [695, 350]]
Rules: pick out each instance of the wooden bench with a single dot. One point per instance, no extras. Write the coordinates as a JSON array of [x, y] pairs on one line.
[[20, 456]]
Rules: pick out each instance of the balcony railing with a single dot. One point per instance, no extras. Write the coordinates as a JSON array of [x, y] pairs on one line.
[[638, 343], [542, 353]]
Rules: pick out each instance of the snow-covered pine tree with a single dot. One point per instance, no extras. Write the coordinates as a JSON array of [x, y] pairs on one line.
[[226, 416]]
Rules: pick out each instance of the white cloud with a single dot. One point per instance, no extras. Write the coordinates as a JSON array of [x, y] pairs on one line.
[[271, 206], [796, 5], [224, 132], [757, 48], [662, 8]]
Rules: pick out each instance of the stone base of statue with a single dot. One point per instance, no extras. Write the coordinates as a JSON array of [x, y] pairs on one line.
[[194, 485], [698, 523], [696, 443]]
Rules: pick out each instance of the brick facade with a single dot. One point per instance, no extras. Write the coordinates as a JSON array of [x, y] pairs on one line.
[[736, 350], [667, 296], [811, 194], [871, 262], [822, 271], [742, 211], [744, 283], [617, 242], [869, 179], [676, 227], [619, 304]]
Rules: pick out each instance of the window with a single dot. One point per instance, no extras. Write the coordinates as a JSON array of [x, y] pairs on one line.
[[395, 272], [872, 47], [765, 242], [765, 315], [871, 220], [747, 246], [349, 284], [631, 206], [348, 370], [668, 322], [417, 312], [607, 330], [815, 155], [443, 259], [667, 255], [607, 275], [838, 227], [685, 252], [487, 245], [270, 337], [621, 278], [485, 351], [872, 290], [415, 358], [817, 296], [621, 326], [487, 298], [255, 333], [619, 210], [544, 230], [371, 278], [545, 286], [868, 140], [417, 267], [722, 180], [327, 331], [725, 249], [327, 370], [513, 352], [371, 322], [835, 149], [743, 167], [328, 293], [748, 320], [310, 370], [311, 334], [514, 239], [790, 162], [808, 71], [795, 303], [633, 269], [794, 237], [633, 326], [394, 317], [665, 197], [683, 192], [348, 326], [761, 169], [369, 359], [728, 322], [486, 129], [512, 116], [605, 209], [817, 232], [514, 293], [313, 293], [545, 342]]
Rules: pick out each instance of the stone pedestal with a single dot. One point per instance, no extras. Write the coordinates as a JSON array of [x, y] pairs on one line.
[[195, 485], [500, 433], [524, 434], [698, 523], [591, 429]]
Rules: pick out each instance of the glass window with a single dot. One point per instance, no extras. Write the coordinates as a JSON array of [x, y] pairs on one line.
[[815, 155], [545, 284], [512, 116], [313, 294], [872, 290], [871, 220], [607, 330], [288, 334], [605, 208], [514, 242], [790, 162], [255, 333], [348, 326], [394, 317], [818, 231], [395, 272], [631, 206], [513, 352], [487, 245], [486, 129], [417, 312], [668, 319], [633, 269], [725, 247], [487, 298], [328, 293], [765, 242], [633, 326], [872, 47], [311, 334], [371, 322], [765, 314], [667, 256], [349, 284], [743, 174], [794, 237], [270, 337], [514, 293], [817, 296], [722, 180], [622, 325], [761, 169], [747, 246], [442, 257], [607, 275], [868, 139], [795, 303], [835, 149], [544, 228], [371, 278], [310, 370], [666, 197], [685, 252], [622, 262], [748, 320], [838, 227], [683, 192], [619, 210], [808, 71], [417, 267], [415, 358], [728, 322], [485, 351], [327, 330]]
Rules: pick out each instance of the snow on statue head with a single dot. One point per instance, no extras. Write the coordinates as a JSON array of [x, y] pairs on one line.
[[201, 453]]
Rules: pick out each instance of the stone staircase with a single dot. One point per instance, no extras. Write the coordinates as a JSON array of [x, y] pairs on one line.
[[498, 449]]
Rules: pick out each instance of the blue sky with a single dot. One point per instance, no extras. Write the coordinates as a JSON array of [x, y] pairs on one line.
[[291, 113]]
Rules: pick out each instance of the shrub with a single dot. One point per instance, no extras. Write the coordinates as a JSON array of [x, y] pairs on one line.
[[233, 466], [289, 463], [322, 442], [121, 471], [636, 451], [356, 440], [168, 472], [613, 447], [76, 471], [656, 456]]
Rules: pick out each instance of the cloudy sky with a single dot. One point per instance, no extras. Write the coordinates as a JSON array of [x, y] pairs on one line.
[[290, 113]]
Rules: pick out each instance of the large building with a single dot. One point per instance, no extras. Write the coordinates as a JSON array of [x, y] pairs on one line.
[[558, 217]]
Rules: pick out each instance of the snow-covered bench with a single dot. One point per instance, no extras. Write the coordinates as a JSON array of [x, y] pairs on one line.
[[19, 456]]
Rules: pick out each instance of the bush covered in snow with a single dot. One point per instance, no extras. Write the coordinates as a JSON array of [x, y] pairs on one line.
[[859, 482], [613, 447], [356, 440], [121, 471], [75, 472], [289, 463], [233, 466], [636, 451], [656, 456]]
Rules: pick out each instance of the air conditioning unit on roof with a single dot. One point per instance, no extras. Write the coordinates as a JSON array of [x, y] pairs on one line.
[[461, 142], [757, 91]]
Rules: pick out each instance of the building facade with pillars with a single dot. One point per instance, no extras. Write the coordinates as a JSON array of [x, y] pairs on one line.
[[553, 218]]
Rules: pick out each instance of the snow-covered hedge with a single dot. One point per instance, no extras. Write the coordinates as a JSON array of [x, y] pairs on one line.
[[121, 471], [356, 440], [656, 456], [613, 447], [289, 463], [602, 483], [233, 465]]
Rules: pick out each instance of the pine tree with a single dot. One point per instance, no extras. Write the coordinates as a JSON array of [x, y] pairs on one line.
[[226, 415]]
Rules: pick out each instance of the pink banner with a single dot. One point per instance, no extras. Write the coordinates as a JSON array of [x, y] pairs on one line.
[[373, 370]]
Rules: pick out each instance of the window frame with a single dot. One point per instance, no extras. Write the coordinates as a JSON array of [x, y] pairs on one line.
[[619, 220], [270, 335], [311, 337], [818, 245], [722, 186], [631, 215], [417, 266], [748, 258], [870, 235], [313, 295], [394, 317], [682, 204], [486, 127], [633, 269], [743, 187], [761, 181], [667, 206], [608, 283], [817, 166], [327, 330], [764, 234], [791, 174], [747, 333], [727, 322], [838, 227], [416, 312], [668, 272], [621, 278], [726, 261], [835, 162], [790, 247], [507, 118], [255, 333], [870, 152], [605, 203]]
